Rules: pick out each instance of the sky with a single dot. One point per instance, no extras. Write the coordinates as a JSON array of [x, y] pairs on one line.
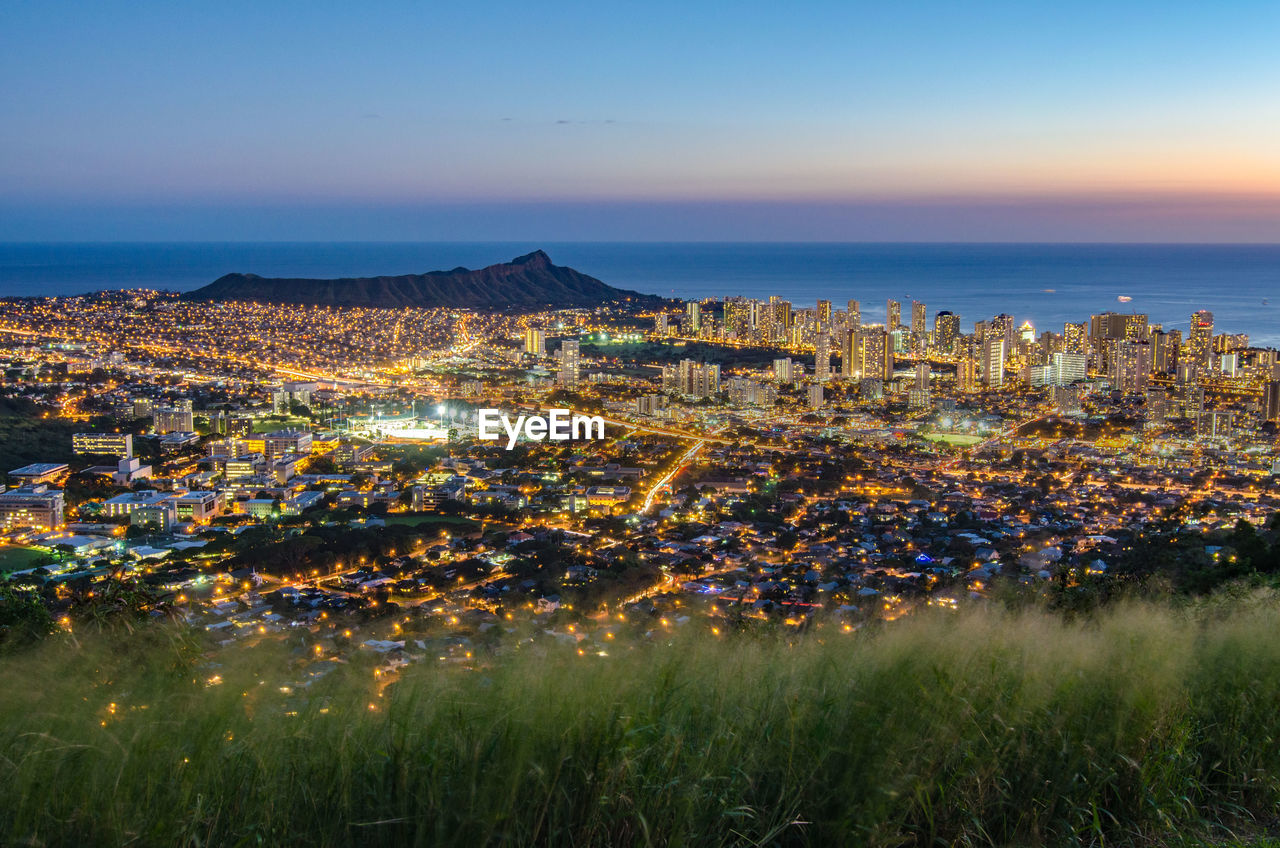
[[844, 121]]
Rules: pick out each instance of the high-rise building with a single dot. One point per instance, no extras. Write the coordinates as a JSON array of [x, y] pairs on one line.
[[651, 405], [698, 379], [1067, 399], [893, 316], [744, 392], [693, 314], [781, 310], [966, 372], [1217, 425], [738, 316], [1228, 342], [1068, 368], [922, 375], [822, 358], [1048, 344], [535, 341], [874, 358], [1199, 339], [848, 354], [824, 315], [1075, 338], [1157, 407], [993, 353], [173, 419], [569, 364], [1164, 351], [783, 370], [855, 315], [1131, 366], [815, 395], [1003, 327], [946, 332], [1037, 375], [660, 324], [1108, 328], [1271, 401], [919, 320]]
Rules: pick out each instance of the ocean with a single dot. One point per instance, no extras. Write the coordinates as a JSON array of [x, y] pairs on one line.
[[1044, 283]]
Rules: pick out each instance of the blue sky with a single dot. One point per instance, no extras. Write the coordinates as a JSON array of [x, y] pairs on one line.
[[912, 121]]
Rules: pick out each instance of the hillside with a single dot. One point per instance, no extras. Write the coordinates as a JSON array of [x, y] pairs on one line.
[[1146, 725], [530, 281]]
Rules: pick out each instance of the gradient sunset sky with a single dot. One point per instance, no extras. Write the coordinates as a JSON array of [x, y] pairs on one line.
[[914, 121]]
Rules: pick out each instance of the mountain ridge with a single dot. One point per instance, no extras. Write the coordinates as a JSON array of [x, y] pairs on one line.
[[528, 281]]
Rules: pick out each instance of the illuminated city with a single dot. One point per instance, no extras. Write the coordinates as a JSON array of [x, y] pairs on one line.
[[664, 425], [762, 460]]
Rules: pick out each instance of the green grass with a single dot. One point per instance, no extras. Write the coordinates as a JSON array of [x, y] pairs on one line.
[[18, 558], [268, 425], [1146, 726], [460, 524], [953, 438]]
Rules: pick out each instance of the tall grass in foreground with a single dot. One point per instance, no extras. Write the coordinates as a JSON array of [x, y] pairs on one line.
[[1135, 727]]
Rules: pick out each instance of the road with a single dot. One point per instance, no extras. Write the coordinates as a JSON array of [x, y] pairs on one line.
[[671, 475]]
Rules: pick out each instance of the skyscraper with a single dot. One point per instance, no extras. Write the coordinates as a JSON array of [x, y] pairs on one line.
[[569, 364], [1131, 366], [919, 320], [738, 315], [783, 371], [1075, 338], [1002, 325], [1200, 339], [822, 358], [946, 331], [824, 315], [1109, 328], [855, 315], [1068, 368], [781, 314], [698, 379], [535, 342], [993, 351], [815, 395], [966, 372], [694, 310], [874, 357], [1271, 401], [1164, 351], [893, 316], [922, 375], [848, 354]]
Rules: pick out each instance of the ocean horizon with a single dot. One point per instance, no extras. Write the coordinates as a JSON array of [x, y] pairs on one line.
[[1047, 284]]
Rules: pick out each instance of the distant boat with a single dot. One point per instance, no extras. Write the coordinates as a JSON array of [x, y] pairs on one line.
[[1049, 291], [1124, 298]]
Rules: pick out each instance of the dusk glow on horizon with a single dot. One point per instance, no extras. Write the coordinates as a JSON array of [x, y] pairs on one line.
[[919, 121]]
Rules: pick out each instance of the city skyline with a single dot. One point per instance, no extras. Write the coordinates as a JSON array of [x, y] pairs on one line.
[[640, 424]]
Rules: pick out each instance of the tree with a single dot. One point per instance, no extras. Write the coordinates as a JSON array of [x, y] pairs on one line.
[[23, 618]]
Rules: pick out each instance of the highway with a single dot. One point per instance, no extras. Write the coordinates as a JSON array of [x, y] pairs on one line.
[[672, 474]]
